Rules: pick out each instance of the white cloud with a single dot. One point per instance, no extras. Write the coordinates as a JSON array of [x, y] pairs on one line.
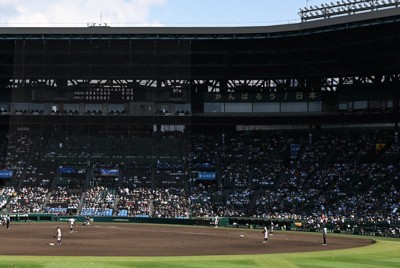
[[75, 13]]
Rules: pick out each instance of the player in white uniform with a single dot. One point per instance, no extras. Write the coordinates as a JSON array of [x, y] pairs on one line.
[[72, 224], [216, 221], [58, 236], [265, 232], [272, 229], [324, 232]]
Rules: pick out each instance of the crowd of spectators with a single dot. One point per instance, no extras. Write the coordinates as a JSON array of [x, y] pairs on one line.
[[341, 175], [170, 203], [203, 199], [134, 202], [28, 200], [6, 193], [60, 200], [344, 175], [98, 201]]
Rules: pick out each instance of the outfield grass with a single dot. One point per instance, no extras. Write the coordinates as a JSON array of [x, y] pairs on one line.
[[384, 253]]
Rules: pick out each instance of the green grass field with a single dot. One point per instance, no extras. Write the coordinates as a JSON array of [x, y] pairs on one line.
[[384, 253]]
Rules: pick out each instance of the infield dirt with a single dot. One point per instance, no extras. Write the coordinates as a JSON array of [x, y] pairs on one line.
[[120, 239]]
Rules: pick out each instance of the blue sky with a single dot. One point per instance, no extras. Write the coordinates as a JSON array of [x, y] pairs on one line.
[[174, 13], [227, 12]]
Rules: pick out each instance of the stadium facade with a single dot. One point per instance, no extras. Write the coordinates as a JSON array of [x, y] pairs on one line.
[[85, 96], [313, 70]]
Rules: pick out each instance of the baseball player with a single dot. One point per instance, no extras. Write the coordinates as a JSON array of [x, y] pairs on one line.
[[71, 224], [58, 236], [216, 221], [324, 232], [8, 221], [272, 228], [265, 232], [87, 221]]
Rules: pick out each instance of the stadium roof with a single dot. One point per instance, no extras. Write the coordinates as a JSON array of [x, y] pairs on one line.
[[347, 21]]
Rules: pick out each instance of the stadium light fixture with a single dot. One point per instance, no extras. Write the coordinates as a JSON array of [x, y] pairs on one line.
[[341, 7]]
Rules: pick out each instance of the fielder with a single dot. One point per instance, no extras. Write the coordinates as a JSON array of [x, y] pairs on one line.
[[216, 221], [265, 232], [72, 224], [272, 228], [58, 236]]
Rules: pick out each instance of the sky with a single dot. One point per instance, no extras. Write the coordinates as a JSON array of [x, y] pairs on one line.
[[159, 13]]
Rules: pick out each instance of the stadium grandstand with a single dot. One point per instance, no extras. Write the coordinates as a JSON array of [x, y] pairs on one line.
[[294, 122]]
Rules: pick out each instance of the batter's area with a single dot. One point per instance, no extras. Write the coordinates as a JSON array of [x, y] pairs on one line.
[[120, 239]]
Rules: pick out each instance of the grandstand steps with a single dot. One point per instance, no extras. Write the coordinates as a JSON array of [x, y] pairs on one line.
[[29, 159], [151, 206], [47, 199], [381, 154], [80, 204], [50, 169], [17, 181], [53, 183], [3, 145], [89, 177], [330, 157], [116, 201], [34, 151]]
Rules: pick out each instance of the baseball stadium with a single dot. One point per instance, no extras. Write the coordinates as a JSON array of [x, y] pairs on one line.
[[251, 146]]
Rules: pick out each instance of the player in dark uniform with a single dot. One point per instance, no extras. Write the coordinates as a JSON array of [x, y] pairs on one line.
[[8, 221], [87, 221]]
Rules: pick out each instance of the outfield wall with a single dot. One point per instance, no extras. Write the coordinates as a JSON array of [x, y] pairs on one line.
[[57, 218], [380, 229]]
